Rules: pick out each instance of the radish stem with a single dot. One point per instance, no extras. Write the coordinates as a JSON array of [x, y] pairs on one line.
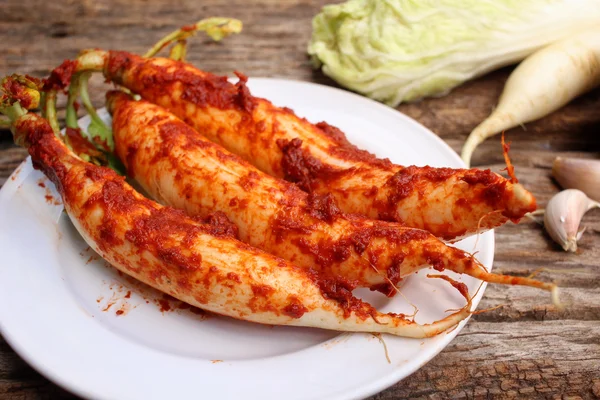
[[179, 51], [71, 115], [49, 111], [97, 127], [217, 28]]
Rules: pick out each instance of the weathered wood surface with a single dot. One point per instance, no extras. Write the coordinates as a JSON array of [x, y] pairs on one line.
[[523, 350]]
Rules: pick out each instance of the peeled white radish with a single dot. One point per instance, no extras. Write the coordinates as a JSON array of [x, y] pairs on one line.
[[541, 84]]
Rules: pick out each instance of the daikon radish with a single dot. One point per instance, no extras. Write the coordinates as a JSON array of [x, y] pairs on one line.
[[543, 83]]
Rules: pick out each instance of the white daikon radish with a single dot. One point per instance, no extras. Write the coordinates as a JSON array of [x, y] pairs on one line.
[[541, 84]]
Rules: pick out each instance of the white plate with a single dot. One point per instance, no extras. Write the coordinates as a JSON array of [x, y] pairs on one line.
[[53, 291]]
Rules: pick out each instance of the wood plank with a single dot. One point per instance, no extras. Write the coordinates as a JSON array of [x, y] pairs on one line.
[[530, 360]]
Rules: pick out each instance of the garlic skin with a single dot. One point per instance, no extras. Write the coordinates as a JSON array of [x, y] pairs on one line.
[[563, 216], [578, 173]]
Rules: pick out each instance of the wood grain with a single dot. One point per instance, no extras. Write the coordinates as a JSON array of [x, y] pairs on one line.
[[525, 349]]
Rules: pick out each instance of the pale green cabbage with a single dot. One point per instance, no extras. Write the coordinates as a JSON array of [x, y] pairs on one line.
[[402, 50]]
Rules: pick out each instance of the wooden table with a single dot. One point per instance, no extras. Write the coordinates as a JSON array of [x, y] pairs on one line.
[[524, 350]]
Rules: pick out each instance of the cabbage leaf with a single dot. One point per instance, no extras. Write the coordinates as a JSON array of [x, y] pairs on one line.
[[403, 50]]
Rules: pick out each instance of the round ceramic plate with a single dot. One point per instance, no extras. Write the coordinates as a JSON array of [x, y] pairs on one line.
[[101, 335]]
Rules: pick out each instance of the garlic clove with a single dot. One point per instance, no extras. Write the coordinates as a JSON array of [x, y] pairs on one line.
[[563, 216], [578, 173]]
